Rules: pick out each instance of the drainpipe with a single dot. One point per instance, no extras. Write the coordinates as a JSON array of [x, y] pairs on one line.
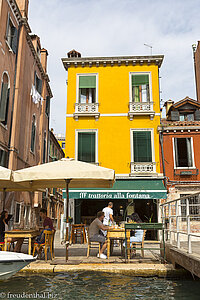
[[163, 160], [195, 72], [13, 98]]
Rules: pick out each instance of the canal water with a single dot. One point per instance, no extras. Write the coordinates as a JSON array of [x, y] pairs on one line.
[[93, 285]]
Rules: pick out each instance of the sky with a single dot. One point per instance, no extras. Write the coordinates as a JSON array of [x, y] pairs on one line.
[[118, 27]]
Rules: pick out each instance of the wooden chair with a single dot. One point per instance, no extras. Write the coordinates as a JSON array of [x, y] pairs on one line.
[[93, 245], [78, 230], [48, 244], [141, 244], [2, 246]]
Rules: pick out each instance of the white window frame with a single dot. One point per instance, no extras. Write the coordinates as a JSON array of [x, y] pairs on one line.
[[29, 217], [20, 210], [96, 141], [152, 142], [174, 155], [77, 84], [130, 84], [6, 37]]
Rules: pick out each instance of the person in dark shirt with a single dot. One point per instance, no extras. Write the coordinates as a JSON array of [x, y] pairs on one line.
[[4, 219], [47, 222]]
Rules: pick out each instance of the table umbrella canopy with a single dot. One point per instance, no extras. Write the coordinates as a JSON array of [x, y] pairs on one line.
[[7, 183], [55, 174]]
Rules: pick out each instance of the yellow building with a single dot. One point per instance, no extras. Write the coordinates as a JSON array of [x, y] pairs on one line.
[[113, 111], [61, 140]]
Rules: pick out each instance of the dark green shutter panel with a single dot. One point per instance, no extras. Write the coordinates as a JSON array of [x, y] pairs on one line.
[[86, 146], [3, 101], [39, 86], [47, 106], [142, 146], [35, 78], [14, 40], [87, 82], [175, 115], [140, 80], [197, 115]]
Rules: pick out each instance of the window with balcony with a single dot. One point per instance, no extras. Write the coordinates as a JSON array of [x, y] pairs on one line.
[[142, 152], [87, 89], [140, 102], [140, 88], [86, 102], [183, 150], [86, 148]]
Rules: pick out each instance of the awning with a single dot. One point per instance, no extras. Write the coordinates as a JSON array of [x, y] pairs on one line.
[[123, 189]]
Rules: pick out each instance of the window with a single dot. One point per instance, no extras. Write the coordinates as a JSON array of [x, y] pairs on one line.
[[183, 152], [38, 84], [44, 147], [140, 88], [186, 117], [142, 149], [4, 99], [47, 108], [63, 145], [87, 89], [3, 158], [17, 212], [11, 35], [87, 147], [33, 133], [194, 207], [27, 214]]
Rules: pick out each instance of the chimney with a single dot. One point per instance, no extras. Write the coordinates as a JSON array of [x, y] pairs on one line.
[[168, 104], [23, 7], [44, 55], [73, 53]]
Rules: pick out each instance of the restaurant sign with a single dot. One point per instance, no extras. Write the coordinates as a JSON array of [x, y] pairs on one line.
[[112, 195]]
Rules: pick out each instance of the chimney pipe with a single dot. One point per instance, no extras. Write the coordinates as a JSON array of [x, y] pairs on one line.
[[44, 54]]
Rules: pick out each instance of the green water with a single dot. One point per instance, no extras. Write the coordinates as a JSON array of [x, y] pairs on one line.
[[93, 285]]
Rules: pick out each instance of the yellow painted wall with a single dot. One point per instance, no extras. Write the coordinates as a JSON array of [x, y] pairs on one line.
[[114, 139], [60, 143]]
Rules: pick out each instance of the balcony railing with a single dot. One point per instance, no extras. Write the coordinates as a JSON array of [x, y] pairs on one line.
[[141, 108], [143, 167], [86, 109]]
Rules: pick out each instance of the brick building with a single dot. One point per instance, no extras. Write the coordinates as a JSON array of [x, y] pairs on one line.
[[179, 150], [25, 96]]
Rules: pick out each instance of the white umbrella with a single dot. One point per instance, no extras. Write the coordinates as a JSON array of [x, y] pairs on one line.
[[7, 184], [63, 173]]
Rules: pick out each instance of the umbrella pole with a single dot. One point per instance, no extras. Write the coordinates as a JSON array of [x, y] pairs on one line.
[[67, 217], [4, 198]]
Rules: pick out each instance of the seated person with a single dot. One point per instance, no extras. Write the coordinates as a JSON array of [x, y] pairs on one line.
[[47, 224], [95, 234], [4, 220], [138, 236]]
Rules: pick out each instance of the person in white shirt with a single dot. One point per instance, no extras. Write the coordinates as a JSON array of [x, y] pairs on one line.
[[108, 214]]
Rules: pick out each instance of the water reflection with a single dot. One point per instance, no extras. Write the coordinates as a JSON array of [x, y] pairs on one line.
[[94, 285]]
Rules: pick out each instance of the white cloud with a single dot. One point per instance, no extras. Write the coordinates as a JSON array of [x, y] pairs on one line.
[[116, 27]]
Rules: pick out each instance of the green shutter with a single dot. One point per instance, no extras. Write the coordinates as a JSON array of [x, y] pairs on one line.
[[3, 101], [142, 146], [14, 39], [86, 146], [87, 82], [140, 80]]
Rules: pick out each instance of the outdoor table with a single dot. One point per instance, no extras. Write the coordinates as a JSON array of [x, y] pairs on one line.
[[17, 233], [117, 234], [142, 226]]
